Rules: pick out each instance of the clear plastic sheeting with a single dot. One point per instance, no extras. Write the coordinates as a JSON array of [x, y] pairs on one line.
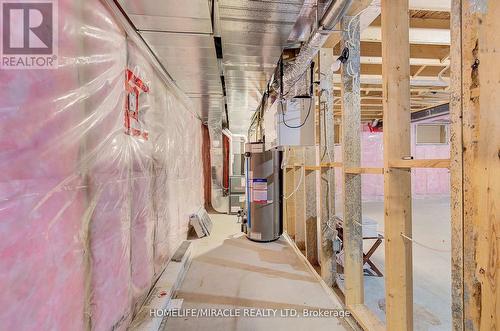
[[100, 168]]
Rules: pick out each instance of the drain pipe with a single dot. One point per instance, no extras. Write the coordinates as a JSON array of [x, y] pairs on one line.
[[318, 37]]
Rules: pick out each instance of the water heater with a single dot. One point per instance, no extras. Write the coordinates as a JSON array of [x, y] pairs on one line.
[[264, 192]]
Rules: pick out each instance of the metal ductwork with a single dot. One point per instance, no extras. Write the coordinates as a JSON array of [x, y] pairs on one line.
[[318, 37], [219, 202]]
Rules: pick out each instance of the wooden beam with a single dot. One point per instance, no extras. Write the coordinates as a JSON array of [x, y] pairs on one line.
[[300, 200], [430, 163], [470, 136], [475, 166], [331, 164], [416, 36], [486, 169], [397, 182], [420, 52], [418, 81], [358, 170], [299, 197], [289, 204], [423, 23], [456, 169], [311, 229], [366, 318], [351, 156], [430, 5]]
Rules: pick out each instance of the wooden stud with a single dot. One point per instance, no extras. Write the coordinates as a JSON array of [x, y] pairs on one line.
[[470, 136], [325, 177], [486, 169], [289, 196], [332, 164], [289, 204], [456, 169], [358, 170], [300, 200], [351, 156], [397, 182], [311, 229], [366, 318], [430, 163]]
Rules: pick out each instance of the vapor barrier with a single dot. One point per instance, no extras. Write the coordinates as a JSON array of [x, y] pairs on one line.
[[100, 168]]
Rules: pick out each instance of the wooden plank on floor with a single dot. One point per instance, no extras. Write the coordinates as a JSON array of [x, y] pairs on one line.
[[366, 318], [397, 182]]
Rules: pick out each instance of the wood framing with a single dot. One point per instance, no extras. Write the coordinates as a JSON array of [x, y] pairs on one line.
[[474, 160], [475, 166], [289, 203], [456, 169], [311, 229], [397, 182], [359, 170], [431, 163], [366, 318], [325, 175], [486, 169], [300, 199], [351, 156]]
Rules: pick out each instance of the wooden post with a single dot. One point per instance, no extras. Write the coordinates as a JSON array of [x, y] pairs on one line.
[[486, 168], [289, 204], [397, 181], [288, 196], [466, 288], [310, 203], [351, 154], [475, 166], [456, 170], [300, 199]]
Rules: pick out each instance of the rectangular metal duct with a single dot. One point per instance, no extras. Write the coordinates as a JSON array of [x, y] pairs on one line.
[[180, 34], [253, 37]]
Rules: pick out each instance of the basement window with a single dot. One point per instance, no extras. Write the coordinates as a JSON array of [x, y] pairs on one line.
[[431, 134]]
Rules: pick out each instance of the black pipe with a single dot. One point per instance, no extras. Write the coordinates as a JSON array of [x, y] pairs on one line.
[[281, 76], [311, 87]]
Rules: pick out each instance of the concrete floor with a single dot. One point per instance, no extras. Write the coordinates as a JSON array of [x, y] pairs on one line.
[[229, 271], [431, 264]]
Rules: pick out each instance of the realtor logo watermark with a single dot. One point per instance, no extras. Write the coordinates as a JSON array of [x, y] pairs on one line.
[[29, 34]]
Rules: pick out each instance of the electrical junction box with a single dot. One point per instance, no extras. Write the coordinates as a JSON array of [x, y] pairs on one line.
[[290, 123]]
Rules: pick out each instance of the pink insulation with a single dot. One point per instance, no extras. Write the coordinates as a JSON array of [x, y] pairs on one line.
[[425, 182], [90, 215]]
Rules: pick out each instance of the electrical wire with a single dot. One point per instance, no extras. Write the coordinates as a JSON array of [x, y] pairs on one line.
[[424, 245], [305, 120], [297, 188]]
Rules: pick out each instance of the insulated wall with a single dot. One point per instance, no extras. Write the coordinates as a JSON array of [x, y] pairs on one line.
[[425, 182], [100, 167]]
